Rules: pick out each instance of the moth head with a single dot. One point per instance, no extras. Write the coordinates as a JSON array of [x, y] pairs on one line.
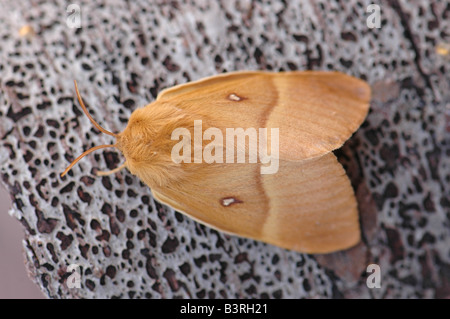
[[147, 145], [136, 142], [146, 148]]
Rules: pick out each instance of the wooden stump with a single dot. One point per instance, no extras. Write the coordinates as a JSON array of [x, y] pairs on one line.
[[125, 244]]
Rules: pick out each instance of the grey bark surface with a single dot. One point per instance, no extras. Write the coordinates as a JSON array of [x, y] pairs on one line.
[[128, 245]]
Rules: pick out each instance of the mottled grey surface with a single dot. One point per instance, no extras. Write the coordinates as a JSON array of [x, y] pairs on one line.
[[125, 52]]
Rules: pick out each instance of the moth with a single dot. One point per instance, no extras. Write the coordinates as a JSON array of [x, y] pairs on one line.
[[307, 205]]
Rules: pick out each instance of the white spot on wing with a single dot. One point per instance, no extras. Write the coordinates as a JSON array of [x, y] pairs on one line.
[[227, 201], [234, 97]]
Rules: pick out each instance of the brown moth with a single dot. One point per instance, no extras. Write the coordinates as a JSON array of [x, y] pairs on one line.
[[307, 205]]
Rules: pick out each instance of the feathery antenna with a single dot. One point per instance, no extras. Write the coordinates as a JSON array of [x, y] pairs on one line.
[[101, 129]]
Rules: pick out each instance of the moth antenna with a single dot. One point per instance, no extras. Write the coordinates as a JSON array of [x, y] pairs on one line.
[[101, 129], [83, 155], [105, 173]]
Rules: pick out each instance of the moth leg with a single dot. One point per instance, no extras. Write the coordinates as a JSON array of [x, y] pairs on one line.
[[105, 173]]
